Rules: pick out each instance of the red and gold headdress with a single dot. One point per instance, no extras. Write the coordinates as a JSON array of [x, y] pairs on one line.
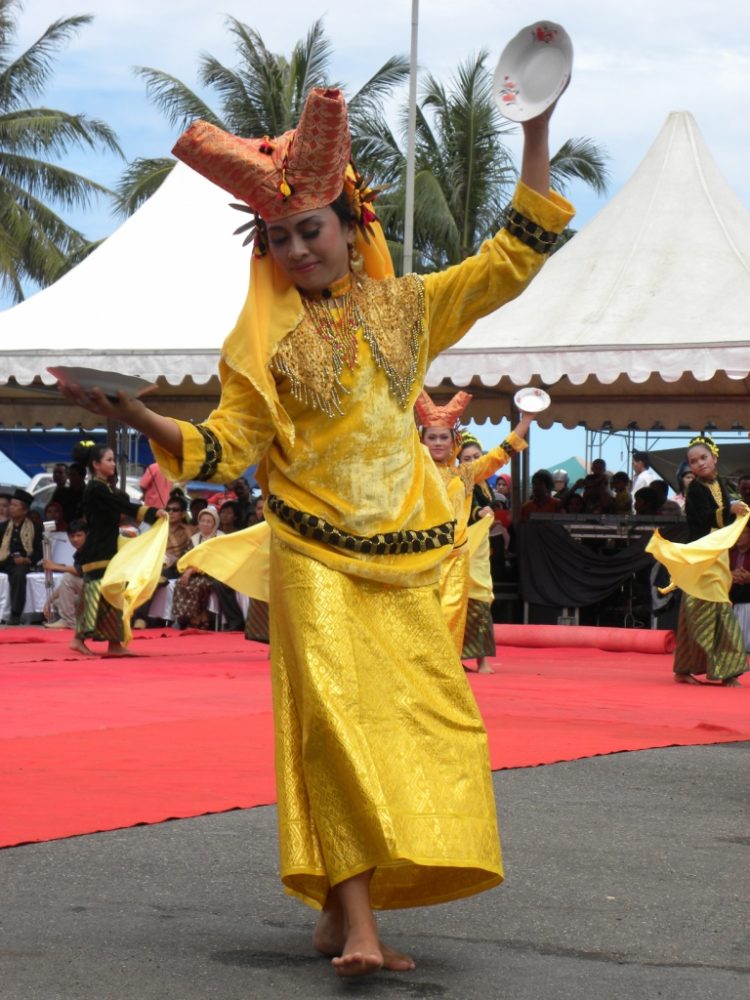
[[299, 171], [429, 414]]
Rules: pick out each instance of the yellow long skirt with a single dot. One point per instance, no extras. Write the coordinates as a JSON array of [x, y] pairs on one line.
[[455, 580], [381, 754]]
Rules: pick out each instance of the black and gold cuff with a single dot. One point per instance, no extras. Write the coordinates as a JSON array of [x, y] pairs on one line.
[[528, 232]]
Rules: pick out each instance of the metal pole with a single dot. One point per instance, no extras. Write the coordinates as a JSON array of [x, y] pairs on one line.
[[411, 145]]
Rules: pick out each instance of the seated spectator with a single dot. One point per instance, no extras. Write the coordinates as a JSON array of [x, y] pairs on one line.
[[622, 501], [560, 480], [241, 489], [20, 551], [502, 489], [667, 508], [573, 504], [739, 594], [54, 512], [197, 504], [646, 502], [180, 533], [234, 621], [596, 496], [4, 507], [66, 597], [230, 517], [70, 494], [743, 487], [599, 468], [193, 589], [155, 485], [541, 501], [685, 478]]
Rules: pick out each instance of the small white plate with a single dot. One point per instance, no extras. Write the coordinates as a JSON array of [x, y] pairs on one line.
[[533, 70], [109, 382], [531, 400]]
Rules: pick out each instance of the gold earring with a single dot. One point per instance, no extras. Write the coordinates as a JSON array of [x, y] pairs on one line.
[[356, 260]]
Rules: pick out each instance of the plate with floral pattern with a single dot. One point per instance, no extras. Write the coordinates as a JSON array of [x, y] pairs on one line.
[[533, 70], [531, 400]]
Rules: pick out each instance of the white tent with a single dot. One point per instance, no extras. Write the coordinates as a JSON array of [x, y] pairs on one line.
[[643, 317], [156, 300]]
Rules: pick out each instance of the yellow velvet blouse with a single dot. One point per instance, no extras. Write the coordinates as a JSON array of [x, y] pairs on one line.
[[338, 450]]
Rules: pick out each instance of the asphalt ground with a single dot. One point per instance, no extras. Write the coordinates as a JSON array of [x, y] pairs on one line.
[[628, 877]]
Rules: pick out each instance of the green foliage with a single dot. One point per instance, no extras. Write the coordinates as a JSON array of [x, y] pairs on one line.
[[36, 245], [465, 174], [262, 95]]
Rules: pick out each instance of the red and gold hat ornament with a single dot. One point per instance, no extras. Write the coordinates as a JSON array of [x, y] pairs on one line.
[[299, 171], [429, 414]]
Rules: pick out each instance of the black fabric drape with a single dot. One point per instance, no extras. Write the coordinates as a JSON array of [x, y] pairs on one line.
[[558, 571]]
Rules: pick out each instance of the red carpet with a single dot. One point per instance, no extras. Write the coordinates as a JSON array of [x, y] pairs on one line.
[[186, 729]]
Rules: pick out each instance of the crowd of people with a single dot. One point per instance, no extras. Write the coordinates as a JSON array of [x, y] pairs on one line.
[[97, 517]]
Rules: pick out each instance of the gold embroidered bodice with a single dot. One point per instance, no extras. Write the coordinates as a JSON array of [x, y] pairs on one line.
[[389, 314]]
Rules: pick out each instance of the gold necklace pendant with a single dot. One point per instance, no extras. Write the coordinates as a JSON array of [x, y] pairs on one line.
[[337, 325]]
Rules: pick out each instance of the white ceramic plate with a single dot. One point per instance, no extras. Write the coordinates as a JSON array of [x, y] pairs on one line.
[[531, 400], [533, 70], [109, 382]]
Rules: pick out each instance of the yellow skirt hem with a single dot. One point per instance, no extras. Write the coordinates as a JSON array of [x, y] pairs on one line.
[[493, 879]]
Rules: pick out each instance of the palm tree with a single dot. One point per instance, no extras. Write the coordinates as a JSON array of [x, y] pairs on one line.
[[464, 170], [36, 245], [263, 95]]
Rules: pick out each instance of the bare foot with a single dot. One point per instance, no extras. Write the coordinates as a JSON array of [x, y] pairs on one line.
[[116, 649], [329, 935], [483, 667], [686, 679], [396, 961], [361, 954], [329, 938], [79, 646]]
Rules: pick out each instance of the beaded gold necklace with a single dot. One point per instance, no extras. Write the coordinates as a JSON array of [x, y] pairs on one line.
[[336, 319]]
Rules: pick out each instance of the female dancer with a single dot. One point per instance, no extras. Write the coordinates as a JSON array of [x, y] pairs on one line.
[[102, 508], [384, 789], [439, 435], [479, 635], [709, 639]]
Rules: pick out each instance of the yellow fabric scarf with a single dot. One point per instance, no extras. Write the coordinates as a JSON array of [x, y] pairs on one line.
[[133, 574], [241, 560], [700, 568]]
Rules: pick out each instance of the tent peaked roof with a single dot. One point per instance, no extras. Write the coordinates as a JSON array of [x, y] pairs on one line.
[[657, 282], [155, 299]]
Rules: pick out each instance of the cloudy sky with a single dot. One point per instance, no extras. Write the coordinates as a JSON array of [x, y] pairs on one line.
[[634, 63]]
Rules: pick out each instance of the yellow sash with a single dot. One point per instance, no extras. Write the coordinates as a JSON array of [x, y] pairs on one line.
[[700, 568]]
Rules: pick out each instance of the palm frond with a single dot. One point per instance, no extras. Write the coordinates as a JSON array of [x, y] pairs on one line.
[[37, 179], [139, 181], [51, 132], [178, 103], [580, 159], [28, 74]]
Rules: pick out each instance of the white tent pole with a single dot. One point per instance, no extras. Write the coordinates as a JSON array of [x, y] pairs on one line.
[[411, 145]]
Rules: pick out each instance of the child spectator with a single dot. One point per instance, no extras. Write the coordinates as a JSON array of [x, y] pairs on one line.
[[66, 597]]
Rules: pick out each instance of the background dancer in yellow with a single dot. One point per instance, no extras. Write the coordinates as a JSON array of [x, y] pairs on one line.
[[384, 790], [440, 435]]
